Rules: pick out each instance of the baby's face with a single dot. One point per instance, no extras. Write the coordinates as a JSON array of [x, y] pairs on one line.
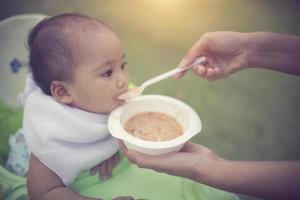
[[100, 77]]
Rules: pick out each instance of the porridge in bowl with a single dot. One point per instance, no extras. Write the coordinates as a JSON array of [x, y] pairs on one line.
[[153, 126], [187, 124]]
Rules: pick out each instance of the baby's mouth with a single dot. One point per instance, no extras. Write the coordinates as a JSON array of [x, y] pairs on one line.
[[120, 93], [117, 96]]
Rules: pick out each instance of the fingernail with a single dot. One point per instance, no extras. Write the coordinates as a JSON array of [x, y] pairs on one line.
[[177, 76], [182, 63]]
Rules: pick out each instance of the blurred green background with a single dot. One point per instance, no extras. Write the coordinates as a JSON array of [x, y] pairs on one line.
[[251, 115]]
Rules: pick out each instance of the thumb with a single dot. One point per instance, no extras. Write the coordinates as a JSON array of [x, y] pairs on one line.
[[186, 61], [160, 163], [197, 50], [194, 52], [142, 160], [133, 156]]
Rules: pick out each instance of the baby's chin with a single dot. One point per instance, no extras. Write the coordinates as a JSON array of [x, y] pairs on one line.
[[109, 108], [116, 104]]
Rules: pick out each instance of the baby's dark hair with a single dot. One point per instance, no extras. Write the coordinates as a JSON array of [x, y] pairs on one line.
[[54, 49]]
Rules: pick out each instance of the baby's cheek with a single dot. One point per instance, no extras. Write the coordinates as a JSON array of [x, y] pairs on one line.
[[115, 105]]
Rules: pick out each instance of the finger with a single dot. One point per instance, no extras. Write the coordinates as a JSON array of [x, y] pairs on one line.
[[115, 159], [204, 151], [210, 72], [180, 74], [139, 159], [183, 64], [190, 147], [198, 49], [200, 70], [158, 163], [109, 168], [122, 146], [93, 170], [103, 170], [218, 73], [190, 57], [214, 73]]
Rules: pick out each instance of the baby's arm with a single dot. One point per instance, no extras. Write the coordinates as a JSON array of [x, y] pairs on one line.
[[44, 184]]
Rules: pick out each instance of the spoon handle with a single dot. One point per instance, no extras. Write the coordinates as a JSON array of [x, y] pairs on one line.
[[163, 76]]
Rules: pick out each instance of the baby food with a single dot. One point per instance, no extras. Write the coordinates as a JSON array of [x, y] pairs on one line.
[[153, 126]]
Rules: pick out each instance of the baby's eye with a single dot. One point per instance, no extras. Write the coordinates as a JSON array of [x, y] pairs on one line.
[[107, 73], [123, 65]]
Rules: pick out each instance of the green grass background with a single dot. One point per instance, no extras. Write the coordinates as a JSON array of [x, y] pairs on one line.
[[251, 115]]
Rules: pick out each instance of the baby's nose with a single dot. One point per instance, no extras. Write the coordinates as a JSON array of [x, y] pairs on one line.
[[122, 83]]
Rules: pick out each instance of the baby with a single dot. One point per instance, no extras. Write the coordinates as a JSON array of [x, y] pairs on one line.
[[78, 66]]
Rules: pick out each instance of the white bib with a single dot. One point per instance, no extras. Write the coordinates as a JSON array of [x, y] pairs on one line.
[[66, 139]]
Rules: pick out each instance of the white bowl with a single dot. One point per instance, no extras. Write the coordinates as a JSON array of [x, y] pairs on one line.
[[184, 114]]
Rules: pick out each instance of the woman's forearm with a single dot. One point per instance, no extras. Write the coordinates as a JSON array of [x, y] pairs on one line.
[[273, 51], [271, 180]]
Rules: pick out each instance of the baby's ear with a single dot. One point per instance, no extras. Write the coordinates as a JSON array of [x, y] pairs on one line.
[[60, 93]]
